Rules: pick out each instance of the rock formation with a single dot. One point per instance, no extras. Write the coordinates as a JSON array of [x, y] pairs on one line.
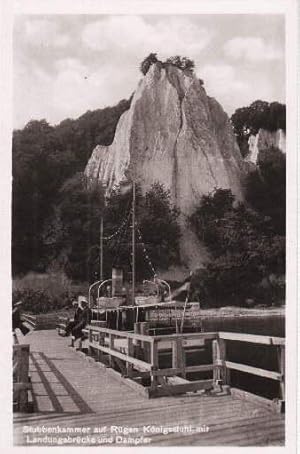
[[265, 139], [175, 134]]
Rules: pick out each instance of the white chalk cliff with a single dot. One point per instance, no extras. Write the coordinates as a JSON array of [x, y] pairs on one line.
[[265, 139], [175, 134]]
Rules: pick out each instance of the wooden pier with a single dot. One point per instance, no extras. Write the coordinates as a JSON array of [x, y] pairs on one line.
[[108, 390]]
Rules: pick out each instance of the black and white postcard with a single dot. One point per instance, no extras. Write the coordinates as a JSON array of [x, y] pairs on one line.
[[149, 250]]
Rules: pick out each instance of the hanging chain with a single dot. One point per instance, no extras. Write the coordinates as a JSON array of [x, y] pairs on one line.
[[147, 258]]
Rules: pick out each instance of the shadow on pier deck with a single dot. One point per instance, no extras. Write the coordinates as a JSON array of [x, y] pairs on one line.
[[72, 394]]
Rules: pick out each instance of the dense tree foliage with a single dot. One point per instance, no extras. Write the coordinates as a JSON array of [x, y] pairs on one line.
[[183, 63], [245, 248], [44, 157], [147, 62], [72, 238], [260, 114], [266, 187]]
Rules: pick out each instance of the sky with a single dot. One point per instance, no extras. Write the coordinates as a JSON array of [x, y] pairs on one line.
[[65, 65]]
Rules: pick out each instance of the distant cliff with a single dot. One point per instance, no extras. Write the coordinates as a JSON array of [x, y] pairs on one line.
[[175, 134], [263, 140]]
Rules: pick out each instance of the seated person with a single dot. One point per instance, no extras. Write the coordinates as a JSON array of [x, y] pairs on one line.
[[17, 319], [74, 322], [84, 319]]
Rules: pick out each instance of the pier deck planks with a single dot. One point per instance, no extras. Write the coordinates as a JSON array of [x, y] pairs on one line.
[[70, 391]]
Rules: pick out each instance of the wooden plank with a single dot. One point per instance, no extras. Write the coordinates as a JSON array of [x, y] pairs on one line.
[[252, 338], [181, 388], [186, 336], [122, 334], [176, 380], [255, 399], [252, 370], [134, 361], [174, 371]]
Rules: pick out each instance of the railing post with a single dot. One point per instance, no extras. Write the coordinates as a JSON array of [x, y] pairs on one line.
[[144, 329], [130, 352], [101, 341], [23, 376], [178, 356], [281, 364], [154, 363], [90, 337], [137, 330], [220, 372], [111, 339]]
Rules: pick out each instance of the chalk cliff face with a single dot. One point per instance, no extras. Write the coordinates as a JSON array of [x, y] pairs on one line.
[[265, 139], [175, 134]]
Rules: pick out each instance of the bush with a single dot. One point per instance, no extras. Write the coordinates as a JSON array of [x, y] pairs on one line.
[[246, 250], [43, 293]]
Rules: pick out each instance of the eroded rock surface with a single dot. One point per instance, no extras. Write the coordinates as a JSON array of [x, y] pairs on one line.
[[175, 134]]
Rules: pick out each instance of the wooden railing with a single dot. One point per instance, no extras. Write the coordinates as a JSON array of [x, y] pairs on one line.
[[21, 382], [138, 355], [31, 319]]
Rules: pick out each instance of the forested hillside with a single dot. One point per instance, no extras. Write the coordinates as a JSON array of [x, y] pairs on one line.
[[55, 213], [44, 158]]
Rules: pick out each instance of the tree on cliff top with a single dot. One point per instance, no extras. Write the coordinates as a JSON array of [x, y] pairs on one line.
[[147, 62], [183, 63]]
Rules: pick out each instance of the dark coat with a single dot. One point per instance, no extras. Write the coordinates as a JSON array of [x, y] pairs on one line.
[[77, 314]]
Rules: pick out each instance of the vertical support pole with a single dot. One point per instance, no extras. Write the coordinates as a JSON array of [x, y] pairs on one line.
[[111, 339], [144, 329], [23, 376], [133, 243], [130, 352], [137, 330], [220, 372], [90, 338], [178, 356], [281, 364], [101, 342], [101, 249], [154, 363]]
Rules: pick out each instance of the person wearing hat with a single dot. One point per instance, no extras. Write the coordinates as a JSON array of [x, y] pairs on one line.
[[17, 320], [84, 318], [76, 318]]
